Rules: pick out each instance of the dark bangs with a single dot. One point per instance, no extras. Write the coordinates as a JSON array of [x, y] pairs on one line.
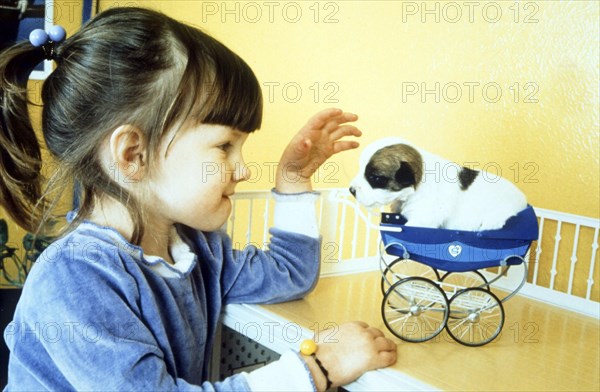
[[217, 86]]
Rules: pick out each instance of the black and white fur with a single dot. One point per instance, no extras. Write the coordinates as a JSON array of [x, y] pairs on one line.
[[431, 191]]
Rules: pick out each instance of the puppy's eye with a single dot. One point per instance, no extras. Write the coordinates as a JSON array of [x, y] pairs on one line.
[[377, 181]]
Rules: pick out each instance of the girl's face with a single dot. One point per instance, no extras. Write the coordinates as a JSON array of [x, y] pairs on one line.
[[195, 179]]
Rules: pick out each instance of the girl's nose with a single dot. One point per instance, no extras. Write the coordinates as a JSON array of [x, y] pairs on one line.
[[242, 172]]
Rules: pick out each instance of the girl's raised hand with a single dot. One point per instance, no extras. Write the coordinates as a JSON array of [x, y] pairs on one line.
[[316, 142]]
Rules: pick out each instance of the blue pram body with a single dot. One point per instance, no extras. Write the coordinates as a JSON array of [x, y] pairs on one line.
[[459, 251]]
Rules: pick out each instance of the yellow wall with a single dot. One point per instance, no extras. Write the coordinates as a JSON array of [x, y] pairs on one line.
[[369, 56], [507, 86]]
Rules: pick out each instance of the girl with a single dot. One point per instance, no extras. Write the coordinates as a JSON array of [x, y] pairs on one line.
[[139, 111]]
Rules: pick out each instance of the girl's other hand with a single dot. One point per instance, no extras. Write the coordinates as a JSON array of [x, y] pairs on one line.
[[316, 142], [351, 350]]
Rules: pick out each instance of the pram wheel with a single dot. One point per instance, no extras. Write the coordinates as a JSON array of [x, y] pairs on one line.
[[402, 268], [466, 279], [476, 317], [415, 309]]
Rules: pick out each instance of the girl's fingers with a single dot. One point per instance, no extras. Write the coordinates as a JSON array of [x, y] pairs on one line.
[[345, 130], [387, 358], [375, 332], [335, 114], [384, 344], [344, 145], [347, 117], [360, 323], [326, 114], [319, 120], [333, 123]]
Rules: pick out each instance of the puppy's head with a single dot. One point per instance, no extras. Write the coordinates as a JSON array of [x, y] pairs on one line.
[[390, 170]]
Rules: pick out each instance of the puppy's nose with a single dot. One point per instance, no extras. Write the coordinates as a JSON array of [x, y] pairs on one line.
[[353, 191]]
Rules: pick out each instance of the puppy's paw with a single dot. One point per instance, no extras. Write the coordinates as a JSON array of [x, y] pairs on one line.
[[423, 223], [492, 225]]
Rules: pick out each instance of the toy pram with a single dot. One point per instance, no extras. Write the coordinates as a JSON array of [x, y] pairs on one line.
[[435, 283]]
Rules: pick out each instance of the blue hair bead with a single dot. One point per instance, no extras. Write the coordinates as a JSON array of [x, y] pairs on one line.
[[57, 33], [38, 37]]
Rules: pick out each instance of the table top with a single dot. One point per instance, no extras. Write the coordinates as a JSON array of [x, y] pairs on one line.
[[541, 347]]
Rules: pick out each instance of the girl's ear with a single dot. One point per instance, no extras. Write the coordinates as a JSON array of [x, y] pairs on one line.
[[128, 152]]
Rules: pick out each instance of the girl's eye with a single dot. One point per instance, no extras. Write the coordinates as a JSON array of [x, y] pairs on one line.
[[225, 146]]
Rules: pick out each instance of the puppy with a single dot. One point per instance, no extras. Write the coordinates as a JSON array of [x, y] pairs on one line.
[[430, 191]]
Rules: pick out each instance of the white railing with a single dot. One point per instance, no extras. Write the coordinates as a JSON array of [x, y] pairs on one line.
[[562, 263]]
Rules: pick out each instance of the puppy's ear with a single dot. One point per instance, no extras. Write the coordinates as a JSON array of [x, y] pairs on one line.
[[405, 175]]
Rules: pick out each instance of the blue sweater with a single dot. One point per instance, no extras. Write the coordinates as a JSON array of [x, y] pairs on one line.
[[95, 314]]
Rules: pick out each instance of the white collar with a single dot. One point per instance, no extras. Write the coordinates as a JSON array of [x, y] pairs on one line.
[[183, 258]]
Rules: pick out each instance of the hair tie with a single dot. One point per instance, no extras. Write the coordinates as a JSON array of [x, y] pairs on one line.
[[47, 40]]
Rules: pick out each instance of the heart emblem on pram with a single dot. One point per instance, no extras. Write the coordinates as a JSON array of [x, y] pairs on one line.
[[454, 250]]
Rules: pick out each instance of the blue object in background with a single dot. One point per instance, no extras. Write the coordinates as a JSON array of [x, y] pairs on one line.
[[32, 20], [460, 251], [15, 27]]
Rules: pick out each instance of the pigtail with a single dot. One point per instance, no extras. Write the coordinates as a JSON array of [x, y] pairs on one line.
[[20, 155]]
